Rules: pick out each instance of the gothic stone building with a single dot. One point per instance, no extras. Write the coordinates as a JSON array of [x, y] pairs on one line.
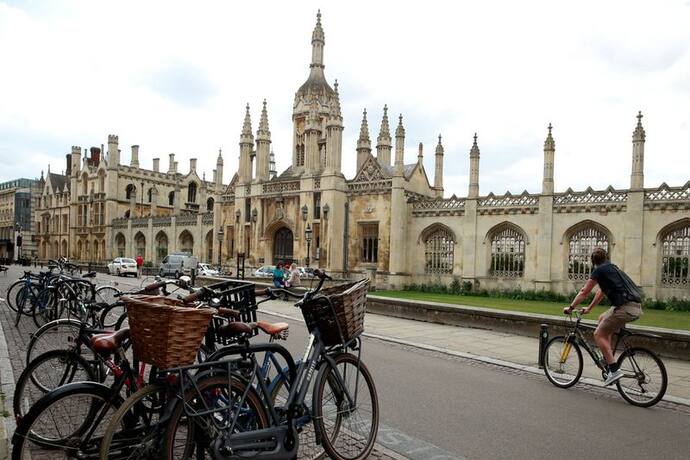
[[389, 222]]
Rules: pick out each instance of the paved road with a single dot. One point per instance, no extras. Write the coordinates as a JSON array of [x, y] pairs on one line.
[[434, 406]]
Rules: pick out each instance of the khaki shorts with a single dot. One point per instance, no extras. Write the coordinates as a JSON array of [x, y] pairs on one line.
[[617, 317]]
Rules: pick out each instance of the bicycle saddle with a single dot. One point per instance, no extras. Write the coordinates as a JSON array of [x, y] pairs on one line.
[[109, 342], [89, 275], [238, 328]]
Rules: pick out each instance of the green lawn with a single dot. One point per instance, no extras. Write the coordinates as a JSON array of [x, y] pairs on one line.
[[656, 318]]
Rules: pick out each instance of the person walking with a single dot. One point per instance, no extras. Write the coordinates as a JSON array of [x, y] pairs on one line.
[[625, 298], [140, 265]]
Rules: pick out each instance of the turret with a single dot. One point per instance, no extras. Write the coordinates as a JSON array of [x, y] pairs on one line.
[[438, 170], [171, 165], [263, 147], [420, 154], [637, 176], [363, 143], [474, 170], [246, 149], [549, 152], [218, 177], [113, 152], [399, 147], [75, 161], [134, 161], [383, 142]]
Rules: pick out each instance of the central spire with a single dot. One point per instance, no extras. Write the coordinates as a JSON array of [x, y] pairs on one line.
[[318, 40], [316, 83]]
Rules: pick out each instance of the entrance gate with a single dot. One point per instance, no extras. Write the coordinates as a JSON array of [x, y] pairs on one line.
[[282, 246]]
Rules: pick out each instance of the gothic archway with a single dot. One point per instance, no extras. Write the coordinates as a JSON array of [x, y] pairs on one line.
[[283, 245]]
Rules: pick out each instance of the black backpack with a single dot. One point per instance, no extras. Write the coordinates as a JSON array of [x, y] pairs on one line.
[[633, 291]]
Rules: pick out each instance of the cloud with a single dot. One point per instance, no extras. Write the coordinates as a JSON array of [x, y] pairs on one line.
[[182, 83]]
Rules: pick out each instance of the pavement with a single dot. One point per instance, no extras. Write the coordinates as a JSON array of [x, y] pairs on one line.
[[452, 392]]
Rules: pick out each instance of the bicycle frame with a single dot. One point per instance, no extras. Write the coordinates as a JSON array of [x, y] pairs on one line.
[[577, 336]]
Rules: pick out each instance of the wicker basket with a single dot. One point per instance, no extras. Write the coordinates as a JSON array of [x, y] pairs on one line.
[[338, 309], [164, 333]]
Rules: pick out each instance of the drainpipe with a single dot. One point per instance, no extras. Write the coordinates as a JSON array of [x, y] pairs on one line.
[[346, 238]]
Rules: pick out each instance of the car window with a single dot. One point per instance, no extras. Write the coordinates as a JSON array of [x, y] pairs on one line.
[[128, 261], [165, 261]]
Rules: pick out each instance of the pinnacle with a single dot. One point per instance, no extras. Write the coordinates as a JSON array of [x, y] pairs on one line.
[[400, 130], [474, 151], [384, 132], [247, 125], [549, 143], [639, 133], [364, 129], [439, 147], [263, 122]]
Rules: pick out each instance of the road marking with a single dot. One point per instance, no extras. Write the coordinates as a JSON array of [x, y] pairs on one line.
[[410, 447]]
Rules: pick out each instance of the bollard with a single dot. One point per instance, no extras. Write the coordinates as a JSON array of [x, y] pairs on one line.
[[543, 338], [193, 276]]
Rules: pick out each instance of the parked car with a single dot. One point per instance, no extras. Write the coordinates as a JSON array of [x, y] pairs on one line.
[[265, 272], [123, 266], [178, 264], [306, 272], [206, 270]]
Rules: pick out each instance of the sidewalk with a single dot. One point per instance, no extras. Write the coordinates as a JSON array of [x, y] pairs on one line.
[[497, 347]]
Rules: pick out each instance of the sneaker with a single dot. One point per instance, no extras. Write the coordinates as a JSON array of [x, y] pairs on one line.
[[613, 377]]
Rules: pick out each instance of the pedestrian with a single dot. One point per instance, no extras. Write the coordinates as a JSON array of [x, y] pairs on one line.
[[278, 276], [293, 279], [140, 265], [625, 298]]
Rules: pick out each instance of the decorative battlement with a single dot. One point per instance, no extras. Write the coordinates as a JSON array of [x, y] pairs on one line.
[[525, 203], [666, 197], [188, 219], [207, 218], [609, 199], [452, 206], [277, 187], [113, 139]]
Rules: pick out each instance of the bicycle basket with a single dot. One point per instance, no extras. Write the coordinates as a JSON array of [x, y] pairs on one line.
[[237, 295], [165, 333], [338, 309]]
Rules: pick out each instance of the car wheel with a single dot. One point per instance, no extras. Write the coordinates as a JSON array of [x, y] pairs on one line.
[[118, 272]]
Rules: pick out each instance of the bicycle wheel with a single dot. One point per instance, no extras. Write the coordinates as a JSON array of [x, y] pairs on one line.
[[107, 294], [55, 335], [346, 425], [46, 373], [11, 295], [46, 309], [25, 299], [133, 431], [60, 420], [185, 434], [645, 379], [308, 448], [112, 313], [562, 367]]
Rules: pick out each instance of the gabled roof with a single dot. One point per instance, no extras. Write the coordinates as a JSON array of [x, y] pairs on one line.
[[289, 173], [58, 182]]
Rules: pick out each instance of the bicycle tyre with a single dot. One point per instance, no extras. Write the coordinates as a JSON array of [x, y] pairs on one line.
[[111, 314], [46, 337], [309, 449], [11, 296], [255, 408], [45, 308], [332, 444], [554, 375], [25, 299], [123, 418], [632, 365], [25, 435], [44, 384]]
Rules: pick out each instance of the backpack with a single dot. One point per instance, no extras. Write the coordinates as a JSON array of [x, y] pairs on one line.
[[633, 291]]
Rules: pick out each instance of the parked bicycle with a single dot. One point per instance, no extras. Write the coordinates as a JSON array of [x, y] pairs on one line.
[[644, 382]]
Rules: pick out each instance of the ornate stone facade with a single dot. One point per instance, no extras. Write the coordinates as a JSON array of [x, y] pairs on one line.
[[388, 222]]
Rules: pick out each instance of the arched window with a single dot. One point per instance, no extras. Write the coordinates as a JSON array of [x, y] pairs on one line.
[[161, 246], [120, 244], [507, 253], [101, 182], [171, 198], [150, 194], [580, 246], [84, 184], [675, 257], [209, 205], [438, 252], [191, 193], [131, 191]]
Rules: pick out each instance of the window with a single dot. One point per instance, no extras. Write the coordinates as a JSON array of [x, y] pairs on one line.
[[300, 154], [191, 193], [209, 205], [171, 198], [247, 211], [675, 257], [131, 192], [317, 205], [507, 253], [150, 194], [438, 252], [580, 247], [370, 243]]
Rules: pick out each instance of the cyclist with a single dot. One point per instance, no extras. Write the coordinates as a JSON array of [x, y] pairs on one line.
[[625, 297]]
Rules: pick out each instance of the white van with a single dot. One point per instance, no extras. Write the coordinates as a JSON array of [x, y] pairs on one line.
[[178, 264]]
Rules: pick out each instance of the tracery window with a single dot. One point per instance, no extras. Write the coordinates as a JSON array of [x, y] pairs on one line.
[[370, 242], [171, 198], [191, 193], [131, 191], [507, 253], [209, 204], [439, 247], [675, 257], [300, 155], [580, 248]]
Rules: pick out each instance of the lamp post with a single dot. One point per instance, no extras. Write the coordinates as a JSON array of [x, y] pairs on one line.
[[307, 237], [221, 234]]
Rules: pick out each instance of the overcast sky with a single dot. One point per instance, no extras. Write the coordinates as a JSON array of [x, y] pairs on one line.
[[175, 77]]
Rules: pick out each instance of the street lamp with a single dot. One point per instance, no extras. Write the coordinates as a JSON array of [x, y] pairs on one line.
[[307, 237], [221, 234]]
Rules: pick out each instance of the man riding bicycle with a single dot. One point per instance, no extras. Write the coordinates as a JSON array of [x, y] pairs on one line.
[[625, 299]]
